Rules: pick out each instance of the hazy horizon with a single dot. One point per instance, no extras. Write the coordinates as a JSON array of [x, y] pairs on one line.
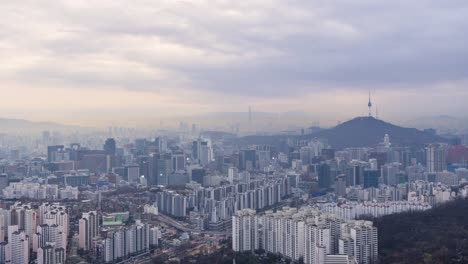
[[116, 62]]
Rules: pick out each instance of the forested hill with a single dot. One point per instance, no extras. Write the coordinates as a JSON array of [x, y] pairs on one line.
[[369, 131], [357, 132], [439, 235]]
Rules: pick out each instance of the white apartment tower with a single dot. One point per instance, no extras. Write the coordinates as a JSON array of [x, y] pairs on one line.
[[315, 236], [19, 248], [436, 155], [360, 241], [245, 230], [88, 229]]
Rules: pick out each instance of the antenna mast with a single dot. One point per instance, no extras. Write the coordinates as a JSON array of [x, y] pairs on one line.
[[370, 105]]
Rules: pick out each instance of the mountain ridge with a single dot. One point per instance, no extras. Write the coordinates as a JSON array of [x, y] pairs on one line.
[[358, 132], [369, 131], [21, 126]]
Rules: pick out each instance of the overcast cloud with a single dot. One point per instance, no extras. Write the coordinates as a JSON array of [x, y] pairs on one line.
[[207, 56]]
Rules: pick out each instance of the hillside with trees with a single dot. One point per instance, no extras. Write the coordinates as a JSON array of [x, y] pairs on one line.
[[439, 235]]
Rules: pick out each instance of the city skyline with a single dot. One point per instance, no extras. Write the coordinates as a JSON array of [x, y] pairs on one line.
[[259, 131], [87, 63]]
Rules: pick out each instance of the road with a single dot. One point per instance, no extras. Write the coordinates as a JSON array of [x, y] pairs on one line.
[[178, 225]]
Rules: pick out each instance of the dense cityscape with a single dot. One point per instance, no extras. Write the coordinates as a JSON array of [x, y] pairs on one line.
[[111, 197], [233, 132]]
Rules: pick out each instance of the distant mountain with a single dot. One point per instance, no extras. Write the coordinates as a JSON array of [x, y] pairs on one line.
[[8, 125], [368, 131], [358, 132], [258, 121], [442, 123]]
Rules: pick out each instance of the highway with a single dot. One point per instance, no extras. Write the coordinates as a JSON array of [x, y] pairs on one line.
[[178, 225]]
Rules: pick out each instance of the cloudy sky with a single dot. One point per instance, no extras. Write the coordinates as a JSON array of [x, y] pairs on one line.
[[98, 62]]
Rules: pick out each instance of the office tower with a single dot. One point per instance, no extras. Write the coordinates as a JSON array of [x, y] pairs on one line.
[[389, 173], [324, 175], [140, 146], [197, 173], [245, 231], [152, 169], [110, 147], [263, 158], [132, 173], [355, 173], [88, 229], [204, 153], [248, 159], [144, 164], [160, 167], [56, 153], [340, 185], [95, 161], [373, 163], [195, 150], [328, 154], [178, 162], [436, 155], [371, 178], [306, 154], [377, 159], [201, 152], [161, 144]]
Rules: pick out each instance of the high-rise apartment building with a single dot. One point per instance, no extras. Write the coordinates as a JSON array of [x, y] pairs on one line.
[[18, 247], [88, 229], [436, 156], [305, 233], [125, 242], [359, 240], [245, 231]]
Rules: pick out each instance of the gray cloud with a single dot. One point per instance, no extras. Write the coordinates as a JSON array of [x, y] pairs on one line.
[[253, 48]]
